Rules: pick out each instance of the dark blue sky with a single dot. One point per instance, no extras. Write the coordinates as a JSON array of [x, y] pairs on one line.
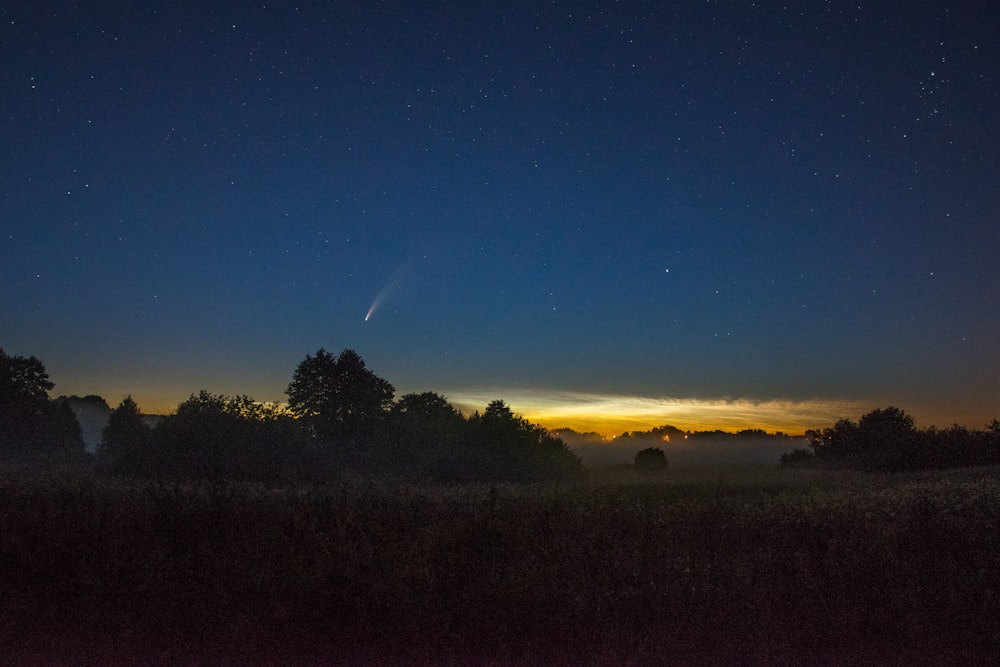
[[579, 207]]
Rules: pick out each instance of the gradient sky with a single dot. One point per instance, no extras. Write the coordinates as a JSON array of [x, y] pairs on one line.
[[612, 215]]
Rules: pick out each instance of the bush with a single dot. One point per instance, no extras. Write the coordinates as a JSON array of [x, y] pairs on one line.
[[227, 437], [799, 458], [651, 461]]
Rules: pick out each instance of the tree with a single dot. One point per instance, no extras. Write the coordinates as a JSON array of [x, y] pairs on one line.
[[883, 439], [23, 380], [424, 431], [799, 457], [499, 427], [885, 427], [125, 438], [339, 398], [29, 421], [221, 436], [650, 461], [502, 445], [62, 429], [838, 442]]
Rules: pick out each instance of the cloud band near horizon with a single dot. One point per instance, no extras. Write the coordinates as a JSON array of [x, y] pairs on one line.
[[612, 414]]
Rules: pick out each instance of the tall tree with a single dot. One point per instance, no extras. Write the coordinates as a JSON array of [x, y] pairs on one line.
[[341, 399], [507, 446], [62, 432], [425, 431], [30, 422], [23, 380], [885, 427], [125, 437]]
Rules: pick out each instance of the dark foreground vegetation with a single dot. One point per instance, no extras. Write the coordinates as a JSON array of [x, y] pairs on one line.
[[352, 528], [771, 566]]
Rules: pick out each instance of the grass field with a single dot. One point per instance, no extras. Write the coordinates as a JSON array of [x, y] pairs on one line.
[[753, 566]]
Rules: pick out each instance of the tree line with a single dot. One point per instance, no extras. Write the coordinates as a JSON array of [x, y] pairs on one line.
[[887, 439], [340, 418]]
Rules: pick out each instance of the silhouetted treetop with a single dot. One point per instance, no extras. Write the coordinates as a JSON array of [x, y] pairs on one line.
[[888, 439], [426, 412], [30, 422], [650, 461], [339, 397], [506, 446], [23, 379], [125, 438], [881, 426]]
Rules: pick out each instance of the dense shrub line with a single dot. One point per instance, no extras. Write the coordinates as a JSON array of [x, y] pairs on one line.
[[888, 440], [795, 564], [341, 420]]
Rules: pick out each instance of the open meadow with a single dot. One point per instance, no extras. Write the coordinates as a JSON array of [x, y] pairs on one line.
[[752, 565]]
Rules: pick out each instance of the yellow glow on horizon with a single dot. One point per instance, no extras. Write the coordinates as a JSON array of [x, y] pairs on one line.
[[606, 414], [611, 414]]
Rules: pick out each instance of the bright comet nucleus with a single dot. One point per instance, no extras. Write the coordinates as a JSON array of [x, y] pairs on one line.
[[393, 284], [376, 302]]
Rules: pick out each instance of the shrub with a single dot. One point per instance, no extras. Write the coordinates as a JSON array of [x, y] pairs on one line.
[[798, 458], [651, 461]]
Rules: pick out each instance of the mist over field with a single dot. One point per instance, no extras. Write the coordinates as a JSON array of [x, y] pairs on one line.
[[696, 451]]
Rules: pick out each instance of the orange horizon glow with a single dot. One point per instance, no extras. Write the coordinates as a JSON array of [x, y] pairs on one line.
[[610, 415]]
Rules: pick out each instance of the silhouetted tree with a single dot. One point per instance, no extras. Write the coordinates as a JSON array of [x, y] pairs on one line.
[[498, 427], [31, 423], [339, 398], [63, 432], [883, 439], [651, 461], [92, 412], [799, 457], [125, 439], [221, 436], [501, 445], [424, 434], [887, 439], [652, 437], [23, 380], [885, 427], [836, 443], [24, 402], [954, 446]]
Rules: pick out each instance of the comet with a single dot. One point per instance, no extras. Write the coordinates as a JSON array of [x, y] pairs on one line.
[[392, 284], [376, 303]]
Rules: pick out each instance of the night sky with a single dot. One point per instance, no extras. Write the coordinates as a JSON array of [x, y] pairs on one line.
[[612, 215]]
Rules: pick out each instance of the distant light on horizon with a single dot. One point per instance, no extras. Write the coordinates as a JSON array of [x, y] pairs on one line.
[[612, 414]]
